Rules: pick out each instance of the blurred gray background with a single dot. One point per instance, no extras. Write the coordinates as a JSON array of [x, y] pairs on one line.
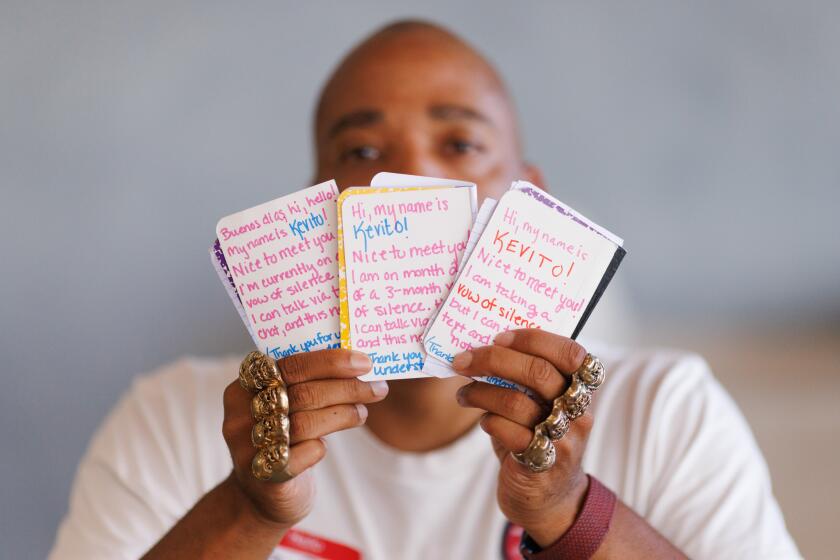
[[706, 134]]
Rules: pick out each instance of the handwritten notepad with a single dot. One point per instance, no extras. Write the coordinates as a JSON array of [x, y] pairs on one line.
[[535, 263], [399, 251], [281, 260]]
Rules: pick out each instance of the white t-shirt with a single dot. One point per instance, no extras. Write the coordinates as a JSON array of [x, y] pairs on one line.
[[667, 440]]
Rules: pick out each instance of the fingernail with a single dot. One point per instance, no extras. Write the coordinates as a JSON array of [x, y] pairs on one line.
[[462, 360], [379, 388], [503, 338], [459, 395], [360, 361], [363, 412]]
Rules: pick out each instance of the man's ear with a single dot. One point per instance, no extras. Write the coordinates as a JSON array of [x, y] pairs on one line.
[[532, 174]]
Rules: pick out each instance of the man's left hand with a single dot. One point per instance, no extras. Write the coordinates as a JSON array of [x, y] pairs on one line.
[[545, 504]]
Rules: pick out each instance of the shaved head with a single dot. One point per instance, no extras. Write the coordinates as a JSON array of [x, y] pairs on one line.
[[415, 98], [411, 38]]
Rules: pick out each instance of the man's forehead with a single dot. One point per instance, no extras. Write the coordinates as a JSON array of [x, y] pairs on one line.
[[421, 70], [442, 112]]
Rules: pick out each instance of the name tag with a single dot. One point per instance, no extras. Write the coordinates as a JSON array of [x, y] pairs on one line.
[[300, 545]]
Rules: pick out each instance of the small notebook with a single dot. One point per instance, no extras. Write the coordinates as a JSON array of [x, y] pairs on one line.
[[400, 246], [279, 264], [531, 262]]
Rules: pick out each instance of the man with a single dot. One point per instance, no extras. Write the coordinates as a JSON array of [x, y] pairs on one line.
[[422, 479]]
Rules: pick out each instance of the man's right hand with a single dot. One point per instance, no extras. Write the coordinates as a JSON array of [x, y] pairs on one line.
[[324, 397]]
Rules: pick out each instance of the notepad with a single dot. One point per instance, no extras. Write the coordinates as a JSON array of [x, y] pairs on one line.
[[400, 248], [532, 262], [278, 262]]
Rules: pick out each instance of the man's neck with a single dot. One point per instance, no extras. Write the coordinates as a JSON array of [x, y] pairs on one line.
[[421, 414]]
